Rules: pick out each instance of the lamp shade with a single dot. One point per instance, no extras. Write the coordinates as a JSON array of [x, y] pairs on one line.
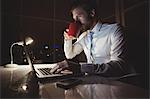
[[28, 40]]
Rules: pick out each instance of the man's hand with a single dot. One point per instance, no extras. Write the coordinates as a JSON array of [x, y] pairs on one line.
[[68, 37], [60, 67]]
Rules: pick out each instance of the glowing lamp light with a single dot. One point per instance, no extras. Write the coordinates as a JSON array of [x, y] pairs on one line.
[[24, 87], [28, 40]]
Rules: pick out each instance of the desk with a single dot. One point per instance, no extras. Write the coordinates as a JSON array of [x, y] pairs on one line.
[[93, 87], [8, 76]]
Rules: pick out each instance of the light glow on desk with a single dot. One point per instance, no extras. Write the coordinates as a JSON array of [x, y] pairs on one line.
[[24, 87]]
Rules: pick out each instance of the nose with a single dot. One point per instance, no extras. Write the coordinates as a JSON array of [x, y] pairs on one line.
[[77, 19]]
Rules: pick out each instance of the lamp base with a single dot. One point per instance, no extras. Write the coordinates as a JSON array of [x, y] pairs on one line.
[[11, 65]]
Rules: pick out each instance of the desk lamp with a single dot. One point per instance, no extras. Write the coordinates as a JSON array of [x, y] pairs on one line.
[[28, 41]]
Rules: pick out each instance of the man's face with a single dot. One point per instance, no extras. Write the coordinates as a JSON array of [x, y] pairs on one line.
[[83, 17]]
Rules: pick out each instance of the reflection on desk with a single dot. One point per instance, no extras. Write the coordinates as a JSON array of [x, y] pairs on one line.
[[116, 90], [92, 87], [8, 76]]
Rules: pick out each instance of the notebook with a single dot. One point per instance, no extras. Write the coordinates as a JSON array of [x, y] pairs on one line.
[[43, 70]]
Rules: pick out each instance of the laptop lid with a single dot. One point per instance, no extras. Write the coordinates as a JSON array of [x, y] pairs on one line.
[[29, 59]]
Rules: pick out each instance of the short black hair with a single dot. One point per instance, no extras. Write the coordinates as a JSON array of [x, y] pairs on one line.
[[87, 5]]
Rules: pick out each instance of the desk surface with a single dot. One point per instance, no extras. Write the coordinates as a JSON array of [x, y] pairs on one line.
[[93, 87], [96, 87]]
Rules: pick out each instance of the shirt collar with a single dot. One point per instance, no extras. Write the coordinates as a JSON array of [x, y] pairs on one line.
[[97, 27], [95, 30]]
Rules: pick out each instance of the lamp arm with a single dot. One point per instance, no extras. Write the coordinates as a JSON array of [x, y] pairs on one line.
[[28, 40], [11, 53]]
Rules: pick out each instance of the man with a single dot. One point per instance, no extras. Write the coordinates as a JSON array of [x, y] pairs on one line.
[[103, 44]]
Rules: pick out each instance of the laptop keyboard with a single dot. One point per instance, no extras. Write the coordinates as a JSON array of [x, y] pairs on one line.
[[45, 71]]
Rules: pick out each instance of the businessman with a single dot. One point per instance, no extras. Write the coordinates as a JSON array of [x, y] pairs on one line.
[[103, 44]]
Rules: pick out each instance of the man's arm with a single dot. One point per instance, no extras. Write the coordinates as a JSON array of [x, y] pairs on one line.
[[71, 50]]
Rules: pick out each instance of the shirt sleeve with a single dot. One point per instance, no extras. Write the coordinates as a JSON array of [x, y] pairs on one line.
[[71, 50], [118, 64]]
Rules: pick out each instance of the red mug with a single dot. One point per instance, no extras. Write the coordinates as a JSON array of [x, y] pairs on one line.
[[74, 28]]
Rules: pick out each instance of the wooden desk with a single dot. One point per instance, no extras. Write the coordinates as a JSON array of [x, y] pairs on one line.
[[93, 87]]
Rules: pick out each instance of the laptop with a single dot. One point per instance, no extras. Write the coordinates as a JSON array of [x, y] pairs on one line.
[[42, 71]]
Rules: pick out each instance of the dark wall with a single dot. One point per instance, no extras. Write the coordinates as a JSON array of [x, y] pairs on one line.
[[137, 25]]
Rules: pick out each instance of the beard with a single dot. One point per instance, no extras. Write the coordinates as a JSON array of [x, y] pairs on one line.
[[87, 25]]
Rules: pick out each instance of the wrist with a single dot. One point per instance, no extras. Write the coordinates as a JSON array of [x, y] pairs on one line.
[[88, 68]]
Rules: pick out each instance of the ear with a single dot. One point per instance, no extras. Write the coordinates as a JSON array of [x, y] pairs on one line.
[[92, 13]]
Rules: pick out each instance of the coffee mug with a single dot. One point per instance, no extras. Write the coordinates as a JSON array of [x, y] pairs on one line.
[[74, 28]]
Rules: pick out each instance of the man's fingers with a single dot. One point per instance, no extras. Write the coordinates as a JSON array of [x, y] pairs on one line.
[[59, 67], [66, 72], [65, 34], [68, 37], [53, 70], [58, 70], [67, 30]]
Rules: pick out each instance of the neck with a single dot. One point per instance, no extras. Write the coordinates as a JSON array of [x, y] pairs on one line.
[[94, 22]]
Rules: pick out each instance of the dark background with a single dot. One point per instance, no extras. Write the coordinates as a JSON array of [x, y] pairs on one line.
[[45, 21]]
